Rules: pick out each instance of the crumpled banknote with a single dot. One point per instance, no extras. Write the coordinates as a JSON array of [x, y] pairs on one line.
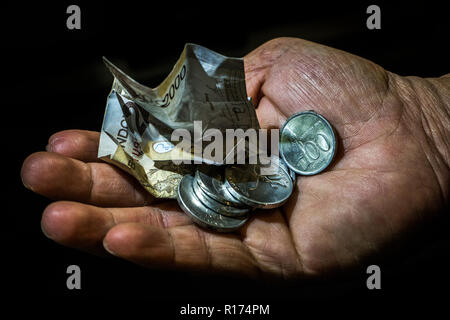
[[139, 121]]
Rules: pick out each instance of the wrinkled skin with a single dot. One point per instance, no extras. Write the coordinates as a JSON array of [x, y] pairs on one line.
[[391, 173]]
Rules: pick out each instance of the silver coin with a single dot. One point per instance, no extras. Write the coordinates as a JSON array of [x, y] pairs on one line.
[[284, 166], [248, 185], [212, 184], [307, 143], [218, 207], [201, 214], [292, 174], [288, 170]]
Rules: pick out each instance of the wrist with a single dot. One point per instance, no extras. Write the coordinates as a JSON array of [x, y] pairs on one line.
[[427, 114]]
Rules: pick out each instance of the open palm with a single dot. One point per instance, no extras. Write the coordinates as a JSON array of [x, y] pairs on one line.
[[379, 186]]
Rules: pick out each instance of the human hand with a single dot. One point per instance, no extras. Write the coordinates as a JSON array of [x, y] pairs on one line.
[[391, 169]]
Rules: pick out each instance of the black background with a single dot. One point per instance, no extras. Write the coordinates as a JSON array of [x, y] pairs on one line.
[[54, 79]]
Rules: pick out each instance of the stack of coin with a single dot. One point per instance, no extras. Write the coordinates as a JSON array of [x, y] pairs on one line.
[[222, 197]]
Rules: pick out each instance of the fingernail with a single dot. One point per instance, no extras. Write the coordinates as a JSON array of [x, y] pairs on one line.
[[52, 142], [44, 232], [108, 249], [25, 184]]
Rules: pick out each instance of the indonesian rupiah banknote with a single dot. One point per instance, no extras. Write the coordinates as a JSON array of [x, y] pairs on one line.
[[139, 121]]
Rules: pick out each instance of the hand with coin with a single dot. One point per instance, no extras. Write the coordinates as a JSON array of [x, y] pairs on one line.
[[390, 173]]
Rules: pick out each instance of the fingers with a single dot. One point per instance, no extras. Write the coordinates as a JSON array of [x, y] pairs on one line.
[[269, 115], [62, 178], [77, 144], [186, 247], [77, 225], [257, 64], [255, 73], [161, 236], [84, 226]]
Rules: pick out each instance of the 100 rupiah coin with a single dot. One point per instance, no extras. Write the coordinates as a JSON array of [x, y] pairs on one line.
[[307, 143], [201, 214]]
